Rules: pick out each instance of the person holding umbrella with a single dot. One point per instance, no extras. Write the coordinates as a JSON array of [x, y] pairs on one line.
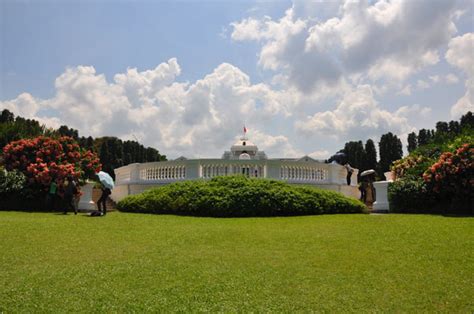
[[368, 190], [107, 185]]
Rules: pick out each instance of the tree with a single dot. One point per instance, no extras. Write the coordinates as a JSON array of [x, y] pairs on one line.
[[467, 120], [412, 142], [44, 159], [105, 159], [370, 155], [65, 131], [441, 127], [451, 177], [89, 143], [19, 128], [424, 137], [454, 127], [355, 154], [7, 116], [390, 148]]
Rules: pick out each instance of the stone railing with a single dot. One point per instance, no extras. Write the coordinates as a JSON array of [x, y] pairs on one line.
[[163, 173], [135, 178], [301, 173], [210, 170]]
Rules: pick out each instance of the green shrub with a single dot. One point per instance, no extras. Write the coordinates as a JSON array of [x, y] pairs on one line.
[[451, 178], [238, 196], [411, 196], [14, 195], [11, 182]]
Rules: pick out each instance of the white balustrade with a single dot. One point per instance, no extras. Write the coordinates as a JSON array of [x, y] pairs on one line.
[[213, 170], [135, 178], [157, 173], [301, 173]]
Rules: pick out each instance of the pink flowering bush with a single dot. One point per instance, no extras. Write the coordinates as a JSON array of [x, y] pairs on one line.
[[411, 166], [452, 176], [44, 159]]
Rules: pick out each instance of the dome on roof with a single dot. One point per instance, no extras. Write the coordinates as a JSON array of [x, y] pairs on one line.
[[244, 156], [244, 144]]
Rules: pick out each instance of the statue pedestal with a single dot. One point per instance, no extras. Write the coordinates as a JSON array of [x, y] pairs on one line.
[[86, 202], [381, 195]]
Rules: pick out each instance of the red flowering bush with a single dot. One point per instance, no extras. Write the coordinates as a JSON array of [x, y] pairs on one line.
[[44, 159], [453, 174], [411, 166]]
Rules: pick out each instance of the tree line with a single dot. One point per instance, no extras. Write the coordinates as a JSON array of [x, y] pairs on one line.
[[443, 131], [113, 152], [364, 157]]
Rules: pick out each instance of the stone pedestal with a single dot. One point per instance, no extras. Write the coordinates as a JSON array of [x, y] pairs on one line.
[[381, 195], [86, 202]]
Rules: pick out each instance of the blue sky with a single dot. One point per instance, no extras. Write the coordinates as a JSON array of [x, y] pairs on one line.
[[41, 38], [304, 76]]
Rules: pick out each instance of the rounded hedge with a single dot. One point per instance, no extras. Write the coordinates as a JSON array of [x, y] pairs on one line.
[[239, 196]]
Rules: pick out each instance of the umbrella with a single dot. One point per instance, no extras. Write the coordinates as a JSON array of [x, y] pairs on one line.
[[106, 179], [367, 172]]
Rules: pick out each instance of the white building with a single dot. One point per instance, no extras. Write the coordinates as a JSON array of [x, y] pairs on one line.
[[243, 158]]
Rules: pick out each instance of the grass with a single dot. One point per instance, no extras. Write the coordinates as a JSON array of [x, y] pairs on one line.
[[132, 262]]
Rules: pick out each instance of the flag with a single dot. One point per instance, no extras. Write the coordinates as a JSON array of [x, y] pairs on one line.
[[245, 129]]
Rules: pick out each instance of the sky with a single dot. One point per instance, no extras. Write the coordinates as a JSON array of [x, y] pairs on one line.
[[304, 77]]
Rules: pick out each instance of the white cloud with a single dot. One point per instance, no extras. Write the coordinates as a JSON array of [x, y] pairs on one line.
[[461, 55], [466, 102], [24, 105], [320, 154], [359, 116], [198, 118], [384, 40], [274, 146], [420, 84], [451, 78], [405, 90], [435, 78]]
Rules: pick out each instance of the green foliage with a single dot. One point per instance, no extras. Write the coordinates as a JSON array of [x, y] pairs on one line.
[[447, 169], [424, 137], [15, 193], [411, 195], [452, 178], [413, 166], [113, 152], [239, 196], [11, 182], [355, 154], [390, 148], [64, 130], [12, 129], [370, 155], [412, 142]]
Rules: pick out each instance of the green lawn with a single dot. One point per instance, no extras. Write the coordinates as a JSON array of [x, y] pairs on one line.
[[132, 262]]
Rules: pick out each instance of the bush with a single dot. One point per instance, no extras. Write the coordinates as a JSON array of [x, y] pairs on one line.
[[412, 166], [13, 192], [44, 159], [238, 196], [411, 195], [452, 178], [11, 182]]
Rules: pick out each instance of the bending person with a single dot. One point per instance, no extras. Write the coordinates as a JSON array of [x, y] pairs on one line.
[[103, 200]]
